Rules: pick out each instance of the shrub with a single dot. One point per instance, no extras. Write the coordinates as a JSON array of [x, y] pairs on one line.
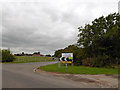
[[87, 62], [118, 61], [0, 55], [98, 61], [77, 62], [7, 56], [101, 61]]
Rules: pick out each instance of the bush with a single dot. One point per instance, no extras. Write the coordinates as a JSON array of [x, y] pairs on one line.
[[98, 61], [0, 55], [7, 56], [87, 62], [101, 61], [118, 61], [77, 62]]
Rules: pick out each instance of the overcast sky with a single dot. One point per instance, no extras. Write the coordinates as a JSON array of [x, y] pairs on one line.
[[48, 25]]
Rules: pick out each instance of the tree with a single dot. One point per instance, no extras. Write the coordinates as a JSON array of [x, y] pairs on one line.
[[37, 53], [0, 55], [48, 55], [58, 53], [7, 56], [23, 54], [78, 53], [102, 38]]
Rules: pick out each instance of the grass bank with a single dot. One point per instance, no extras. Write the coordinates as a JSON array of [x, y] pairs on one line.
[[78, 69], [29, 59]]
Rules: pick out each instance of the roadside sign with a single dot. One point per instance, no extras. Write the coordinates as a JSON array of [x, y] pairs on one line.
[[66, 58], [68, 55]]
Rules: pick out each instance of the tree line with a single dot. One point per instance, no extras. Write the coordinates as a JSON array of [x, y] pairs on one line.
[[7, 56], [27, 54], [98, 44]]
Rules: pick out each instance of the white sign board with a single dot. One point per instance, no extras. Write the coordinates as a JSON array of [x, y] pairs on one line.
[[68, 55]]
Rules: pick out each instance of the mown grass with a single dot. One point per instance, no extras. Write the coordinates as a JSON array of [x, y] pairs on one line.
[[29, 59], [78, 69]]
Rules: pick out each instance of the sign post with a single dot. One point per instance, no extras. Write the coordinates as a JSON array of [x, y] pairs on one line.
[[66, 58], [58, 64], [59, 60], [66, 62]]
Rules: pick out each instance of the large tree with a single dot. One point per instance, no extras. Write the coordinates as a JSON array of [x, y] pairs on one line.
[[102, 37]]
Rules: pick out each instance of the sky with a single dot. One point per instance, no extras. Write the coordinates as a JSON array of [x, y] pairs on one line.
[[47, 25]]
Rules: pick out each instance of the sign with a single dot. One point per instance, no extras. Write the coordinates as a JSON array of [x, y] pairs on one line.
[[66, 58], [68, 55]]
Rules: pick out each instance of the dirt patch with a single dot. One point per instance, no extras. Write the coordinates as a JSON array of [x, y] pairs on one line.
[[104, 81]]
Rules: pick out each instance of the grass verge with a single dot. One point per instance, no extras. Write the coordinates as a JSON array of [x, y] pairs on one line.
[[30, 59], [78, 69]]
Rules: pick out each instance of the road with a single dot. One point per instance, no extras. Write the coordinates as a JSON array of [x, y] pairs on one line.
[[23, 76]]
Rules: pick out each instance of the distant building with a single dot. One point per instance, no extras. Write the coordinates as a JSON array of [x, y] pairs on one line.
[[119, 7], [42, 55], [35, 55], [17, 55]]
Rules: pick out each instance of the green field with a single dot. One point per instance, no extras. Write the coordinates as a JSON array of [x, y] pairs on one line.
[[28, 59], [78, 69]]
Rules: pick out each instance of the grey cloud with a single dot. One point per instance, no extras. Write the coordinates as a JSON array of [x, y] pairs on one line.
[[46, 26]]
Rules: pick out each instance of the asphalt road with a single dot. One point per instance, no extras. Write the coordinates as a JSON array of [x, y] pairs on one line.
[[23, 76]]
